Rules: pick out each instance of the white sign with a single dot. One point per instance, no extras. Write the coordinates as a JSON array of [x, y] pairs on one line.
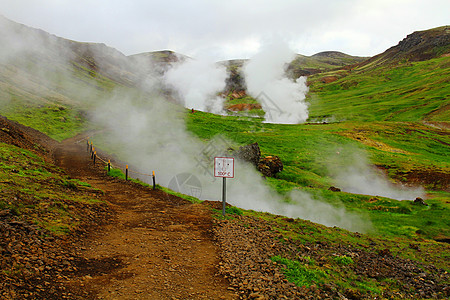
[[224, 167]]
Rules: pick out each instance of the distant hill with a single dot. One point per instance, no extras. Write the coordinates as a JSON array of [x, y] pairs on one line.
[[103, 63], [158, 61], [162, 56], [407, 82], [301, 66], [38, 69], [321, 62]]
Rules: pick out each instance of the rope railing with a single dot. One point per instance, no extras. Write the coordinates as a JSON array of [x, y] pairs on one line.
[[94, 156]]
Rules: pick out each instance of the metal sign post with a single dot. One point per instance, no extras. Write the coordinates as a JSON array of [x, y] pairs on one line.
[[224, 167], [224, 195]]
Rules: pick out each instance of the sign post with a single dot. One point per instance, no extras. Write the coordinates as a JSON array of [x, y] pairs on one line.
[[224, 167]]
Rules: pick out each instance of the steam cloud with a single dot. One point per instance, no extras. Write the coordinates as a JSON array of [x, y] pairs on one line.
[[198, 83], [149, 133], [356, 175], [152, 136], [281, 98]]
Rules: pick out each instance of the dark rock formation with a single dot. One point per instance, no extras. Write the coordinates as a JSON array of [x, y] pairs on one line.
[[420, 201], [250, 153], [270, 165]]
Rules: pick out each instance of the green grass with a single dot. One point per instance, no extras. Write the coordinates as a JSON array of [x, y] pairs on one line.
[[117, 173], [343, 260], [309, 151], [300, 274], [58, 122], [404, 92]]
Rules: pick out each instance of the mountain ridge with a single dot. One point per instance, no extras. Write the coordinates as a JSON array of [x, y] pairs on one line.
[[101, 66], [417, 46]]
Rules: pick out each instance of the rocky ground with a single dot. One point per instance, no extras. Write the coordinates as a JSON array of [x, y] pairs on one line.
[[249, 243]]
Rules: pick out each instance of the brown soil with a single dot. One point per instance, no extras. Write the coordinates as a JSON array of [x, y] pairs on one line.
[[161, 245], [25, 137], [329, 79], [244, 106]]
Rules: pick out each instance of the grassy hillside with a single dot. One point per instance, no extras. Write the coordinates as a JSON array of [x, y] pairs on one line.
[[390, 116], [37, 192], [321, 62], [50, 97], [310, 151], [414, 91], [50, 83], [378, 104]]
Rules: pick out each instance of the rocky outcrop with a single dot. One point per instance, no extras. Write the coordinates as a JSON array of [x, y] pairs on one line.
[[334, 189], [420, 201], [250, 153], [270, 165]]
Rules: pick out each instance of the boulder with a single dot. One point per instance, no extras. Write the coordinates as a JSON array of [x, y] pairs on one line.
[[270, 166], [250, 153], [420, 201]]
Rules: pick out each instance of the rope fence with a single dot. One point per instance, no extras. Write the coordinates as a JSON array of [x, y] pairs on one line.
[[94, 157]]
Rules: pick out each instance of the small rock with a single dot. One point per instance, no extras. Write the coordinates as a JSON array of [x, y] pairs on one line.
[[420, 201], [334, 189]]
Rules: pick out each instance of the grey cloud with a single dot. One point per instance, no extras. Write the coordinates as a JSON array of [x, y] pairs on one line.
[[224, 27]]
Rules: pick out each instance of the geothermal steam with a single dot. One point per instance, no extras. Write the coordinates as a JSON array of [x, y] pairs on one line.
[[356, 175], [149, 133], [198, 83], [282, 99]]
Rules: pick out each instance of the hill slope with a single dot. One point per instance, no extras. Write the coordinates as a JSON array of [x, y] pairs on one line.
[[45, 80], [320, 62], [408, 82], [417, 46]]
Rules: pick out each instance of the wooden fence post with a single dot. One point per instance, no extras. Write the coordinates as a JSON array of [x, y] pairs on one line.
[[154, 180]]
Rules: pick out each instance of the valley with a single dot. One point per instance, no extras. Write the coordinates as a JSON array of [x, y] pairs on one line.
[[359, 210]]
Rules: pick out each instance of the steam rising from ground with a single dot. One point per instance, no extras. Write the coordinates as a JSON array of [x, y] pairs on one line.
[[149, 133], [281, 98], [198, 83], [356, 175]]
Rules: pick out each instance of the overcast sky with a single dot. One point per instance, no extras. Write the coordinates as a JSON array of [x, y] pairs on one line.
[[227, 29]]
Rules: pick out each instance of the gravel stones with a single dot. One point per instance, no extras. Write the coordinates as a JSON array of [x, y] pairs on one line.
[[248, 244]]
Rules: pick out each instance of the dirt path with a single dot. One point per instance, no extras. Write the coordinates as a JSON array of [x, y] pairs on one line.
[[157, 247]]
